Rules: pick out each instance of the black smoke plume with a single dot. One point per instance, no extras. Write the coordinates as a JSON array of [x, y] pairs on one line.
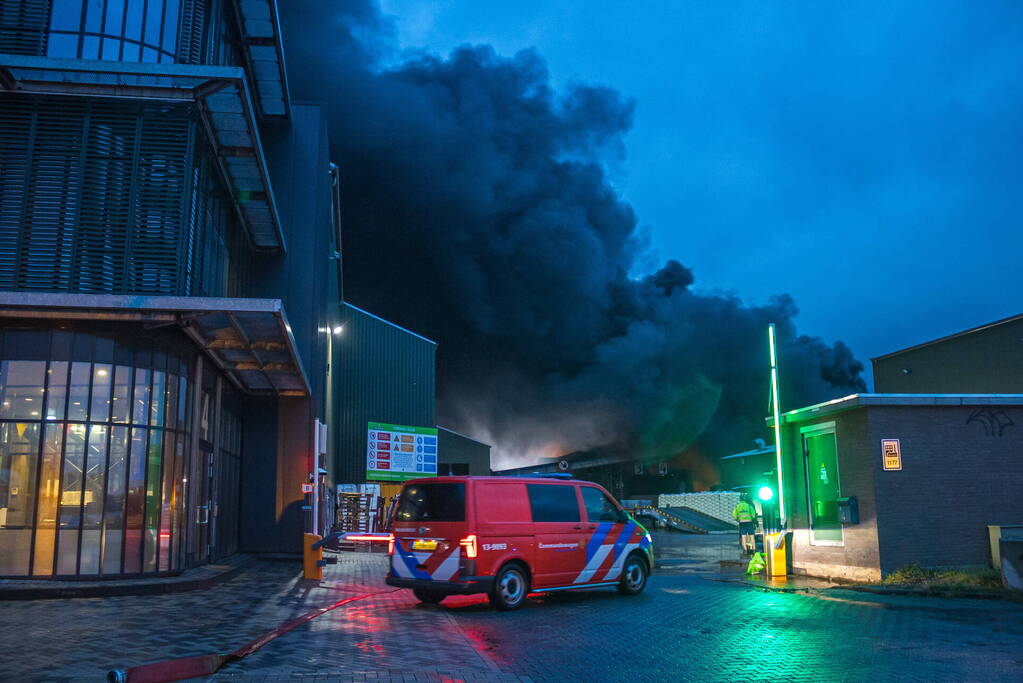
[[478, 211]]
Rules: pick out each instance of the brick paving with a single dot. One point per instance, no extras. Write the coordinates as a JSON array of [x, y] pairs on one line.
[[687, 625]]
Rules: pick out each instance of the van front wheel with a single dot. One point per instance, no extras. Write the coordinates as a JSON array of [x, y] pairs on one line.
[[634, 576], [510, 588]]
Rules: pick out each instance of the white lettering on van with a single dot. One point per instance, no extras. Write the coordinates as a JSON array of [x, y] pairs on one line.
[[495, 546], [558, 545], [405, 530]]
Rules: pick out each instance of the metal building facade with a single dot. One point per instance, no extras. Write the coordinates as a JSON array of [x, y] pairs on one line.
[[385, 374]]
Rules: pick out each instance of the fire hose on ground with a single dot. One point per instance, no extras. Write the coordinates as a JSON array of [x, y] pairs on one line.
[[204, 665]]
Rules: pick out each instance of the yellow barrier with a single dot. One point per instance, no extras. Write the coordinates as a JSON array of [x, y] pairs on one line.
[[774, 552], [311, 558]]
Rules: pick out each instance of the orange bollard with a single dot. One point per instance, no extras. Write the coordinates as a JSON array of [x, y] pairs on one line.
[[311, 558]]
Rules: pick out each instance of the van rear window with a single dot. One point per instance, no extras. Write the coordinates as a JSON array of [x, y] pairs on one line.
[[431, 503]]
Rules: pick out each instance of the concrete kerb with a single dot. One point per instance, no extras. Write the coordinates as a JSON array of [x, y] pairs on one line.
[[198, 578], [821, 587]]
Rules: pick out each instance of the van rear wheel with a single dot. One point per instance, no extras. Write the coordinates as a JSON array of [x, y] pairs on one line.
[[427, 596], [634, 576], [510, 588]]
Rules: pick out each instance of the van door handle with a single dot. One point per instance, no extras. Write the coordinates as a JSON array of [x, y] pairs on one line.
[[577, 527]]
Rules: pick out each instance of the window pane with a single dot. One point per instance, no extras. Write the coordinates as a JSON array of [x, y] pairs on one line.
[[70, 514], [553, 503], [159, 396], [133, 21], [599, 507], [117, 471], [136, 491], [150, 55], [111, 49], [94, 16], [140, 412], [154, 17], [153, 497], [100, 393], [182, 402], [49, 488], [78, 404], [92, 517], [66, 15], [57, 396], [172, 402], [131, 52], [90, 47], [431, 503], [180, 485], [166, 503], [21, 389], [121, 401], [19, 451], [62, 45], [170, 27], [115, 17]]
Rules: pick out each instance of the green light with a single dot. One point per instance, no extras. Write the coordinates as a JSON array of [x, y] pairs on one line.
[[765, 493]]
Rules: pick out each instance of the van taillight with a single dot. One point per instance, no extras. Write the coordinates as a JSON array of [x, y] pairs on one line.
[[469, 543], [390, 544]]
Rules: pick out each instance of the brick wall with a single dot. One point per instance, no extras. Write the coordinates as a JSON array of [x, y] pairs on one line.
[[962, 469], [716, 504], [857, 557]]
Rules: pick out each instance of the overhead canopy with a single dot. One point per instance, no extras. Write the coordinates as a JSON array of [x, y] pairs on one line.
[[223, 98], [250, 340], [261, 37]]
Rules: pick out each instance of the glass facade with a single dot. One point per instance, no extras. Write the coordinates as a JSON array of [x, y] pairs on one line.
[[93, 457], [154, 31]]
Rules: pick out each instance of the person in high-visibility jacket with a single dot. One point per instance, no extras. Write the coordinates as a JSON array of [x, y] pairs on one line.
[[746, 515]]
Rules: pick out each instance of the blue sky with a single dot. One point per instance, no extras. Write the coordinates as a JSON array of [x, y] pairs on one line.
[[864, 159]]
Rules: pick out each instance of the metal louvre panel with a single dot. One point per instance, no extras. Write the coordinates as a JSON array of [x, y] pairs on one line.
[[190, 34], [23, 26], [92, 194], [16, 131], [160, 188]]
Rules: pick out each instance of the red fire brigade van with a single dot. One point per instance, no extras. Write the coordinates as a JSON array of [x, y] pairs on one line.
[[509, 536]]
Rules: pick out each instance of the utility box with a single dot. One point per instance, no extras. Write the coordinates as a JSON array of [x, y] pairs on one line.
[[849, 510]]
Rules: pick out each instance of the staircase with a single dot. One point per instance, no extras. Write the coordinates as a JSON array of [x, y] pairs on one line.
[[685, 519]]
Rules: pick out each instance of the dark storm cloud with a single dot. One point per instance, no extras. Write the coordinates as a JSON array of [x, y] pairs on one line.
[[478, 211]]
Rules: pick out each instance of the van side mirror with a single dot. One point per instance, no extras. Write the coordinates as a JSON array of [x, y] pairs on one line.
[[623, 516]]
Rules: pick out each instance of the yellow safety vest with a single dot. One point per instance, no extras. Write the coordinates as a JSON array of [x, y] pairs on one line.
[[744, 512]]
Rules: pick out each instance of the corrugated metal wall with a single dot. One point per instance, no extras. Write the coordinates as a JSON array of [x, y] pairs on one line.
[[385, 374], [458, 448]]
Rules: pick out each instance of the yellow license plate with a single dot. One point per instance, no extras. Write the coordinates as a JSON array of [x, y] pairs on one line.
[[424, 545]]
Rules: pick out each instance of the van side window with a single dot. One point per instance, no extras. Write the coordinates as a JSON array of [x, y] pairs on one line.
[[599, 507], [553, 503]]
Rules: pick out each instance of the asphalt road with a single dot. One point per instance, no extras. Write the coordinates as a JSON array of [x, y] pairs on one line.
[[693, 622]]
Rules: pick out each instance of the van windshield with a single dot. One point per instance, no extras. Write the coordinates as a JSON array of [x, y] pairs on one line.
[[431, 503]]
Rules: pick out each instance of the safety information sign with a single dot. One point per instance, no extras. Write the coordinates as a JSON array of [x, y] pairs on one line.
[[891, 454], [400, 452]]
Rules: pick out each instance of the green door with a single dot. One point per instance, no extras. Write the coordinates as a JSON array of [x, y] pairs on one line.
[[823, 490]]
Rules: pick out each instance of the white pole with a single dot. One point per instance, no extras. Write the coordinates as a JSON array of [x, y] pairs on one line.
[[316, 476], [777, 420]]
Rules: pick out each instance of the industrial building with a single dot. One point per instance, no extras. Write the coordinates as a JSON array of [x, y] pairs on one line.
[[179, 379], [916, 472]]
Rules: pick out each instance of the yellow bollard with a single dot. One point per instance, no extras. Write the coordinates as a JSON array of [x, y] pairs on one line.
[[311, 558], [774, 552]]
